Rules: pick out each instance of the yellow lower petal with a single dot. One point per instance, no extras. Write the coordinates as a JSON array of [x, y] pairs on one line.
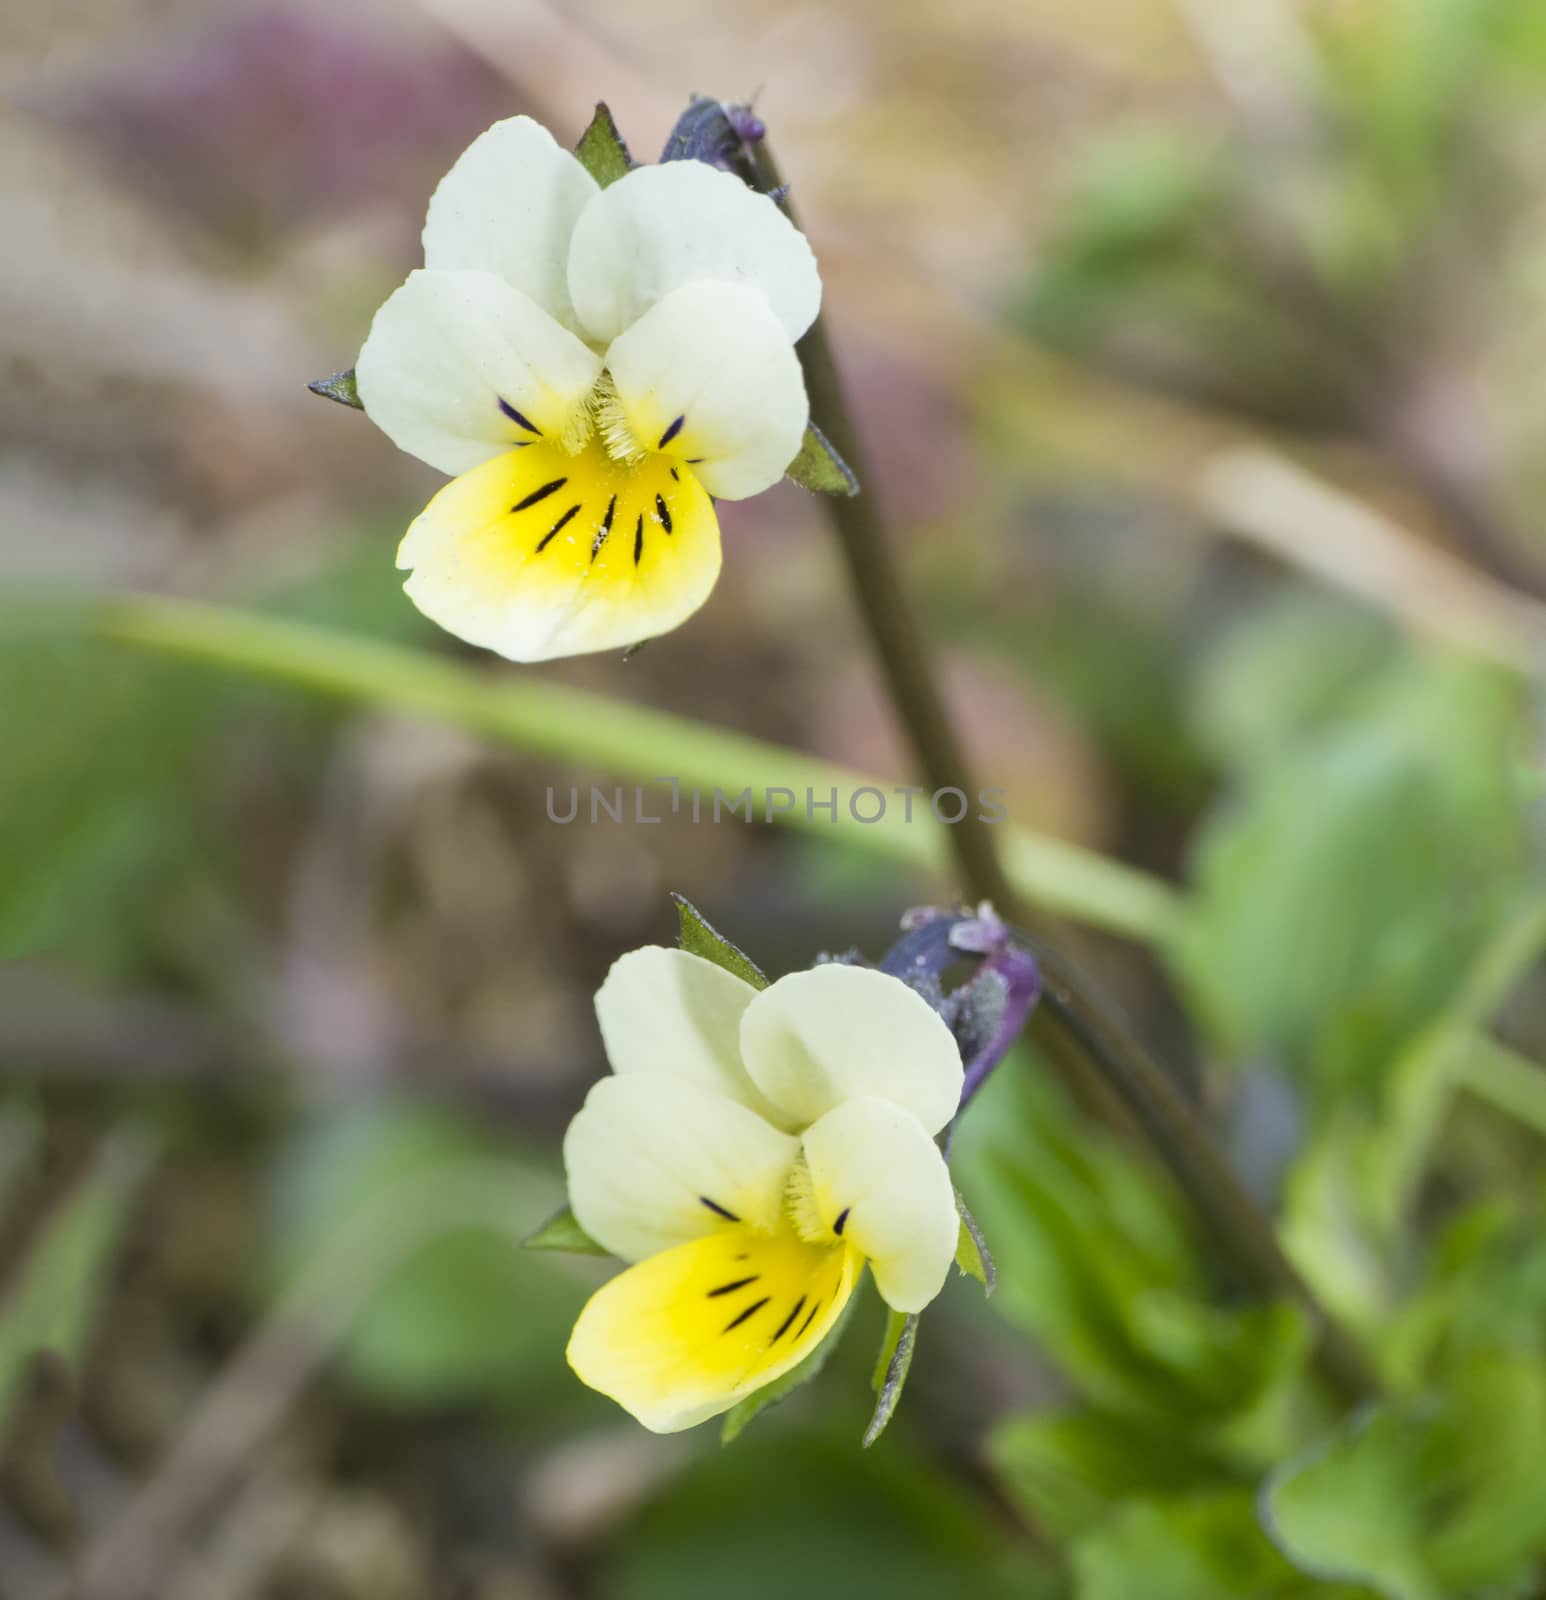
[[539, 553], [685, 1334]]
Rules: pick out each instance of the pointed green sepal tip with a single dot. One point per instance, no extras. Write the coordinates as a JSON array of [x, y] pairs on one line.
[[562, 1232], [972, 1255], [340, 387], [820, 468], [601, 150], [698, 938], [891, 1365]]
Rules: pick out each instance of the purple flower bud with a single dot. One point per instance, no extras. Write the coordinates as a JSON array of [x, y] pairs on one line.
[[989, 1010], [710, 131]]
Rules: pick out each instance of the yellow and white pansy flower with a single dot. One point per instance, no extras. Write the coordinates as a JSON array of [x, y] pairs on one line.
[[594, 366], [751, 1152]]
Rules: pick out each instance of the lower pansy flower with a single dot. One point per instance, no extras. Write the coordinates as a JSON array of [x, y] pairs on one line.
[[752, 1152]]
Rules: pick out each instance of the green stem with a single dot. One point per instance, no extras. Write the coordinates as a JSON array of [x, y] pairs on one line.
[[629, 742], [902, 650], [1105, 1065]]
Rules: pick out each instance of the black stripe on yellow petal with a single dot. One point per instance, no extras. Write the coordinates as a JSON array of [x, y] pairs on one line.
[[540, 493], [750, 1311], [603, 533], [730, 1288], [558, 527], [783, 1327]]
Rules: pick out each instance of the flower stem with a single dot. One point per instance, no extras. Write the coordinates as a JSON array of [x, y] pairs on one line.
[[1104, 1065]]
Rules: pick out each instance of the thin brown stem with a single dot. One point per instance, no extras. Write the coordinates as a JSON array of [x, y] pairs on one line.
[[1103, 1064]]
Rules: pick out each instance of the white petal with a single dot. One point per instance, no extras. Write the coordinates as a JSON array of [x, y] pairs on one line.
[[539, 553], [709, 375], [878, 1174], [509, 207], [818, 1038], [660, 227], [447, 348], [654, 1161], [665, 1011]]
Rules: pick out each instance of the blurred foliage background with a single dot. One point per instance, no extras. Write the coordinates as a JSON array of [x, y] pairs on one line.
[[1198, 348]]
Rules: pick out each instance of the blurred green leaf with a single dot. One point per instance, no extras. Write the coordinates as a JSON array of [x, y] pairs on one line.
[[1280, 671], [1404, 83], [1313, 931], [1201, 1547], [1441, 1496], [1482, 1285], [1071, 1469], [563, 1233], [1352, 1510], [470, 1315], [1492, 1456], [891, 1368], [601, 150], [1351, 1195], [698, 938], [820, 468], [106, 758], [1154, 268], [53, 1303], [1097, 1263], [1325, 1226], [797, 1512], [1134, 202], [1422, 1081]]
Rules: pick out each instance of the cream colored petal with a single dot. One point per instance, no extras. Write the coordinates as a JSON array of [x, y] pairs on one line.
[[664, 226], [818, 1038], [539, 554], [665, 1011], [683, 1336], [881, 1185], [447, 348], [509, 207], [653, 1161], [708, 375]]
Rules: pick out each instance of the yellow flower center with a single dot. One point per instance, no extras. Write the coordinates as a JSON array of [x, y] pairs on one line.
[[800, 1205], [602, 414]]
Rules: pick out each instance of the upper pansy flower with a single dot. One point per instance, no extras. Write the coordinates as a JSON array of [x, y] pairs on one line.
[[595, 364], [751, 1152]]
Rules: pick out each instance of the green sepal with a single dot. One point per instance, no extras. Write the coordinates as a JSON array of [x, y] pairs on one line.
[[819, 467], [340, 387], [601, 150], [896, 1356], [742, 1412], [562, 1232], [972, 1254], [698, 938]]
